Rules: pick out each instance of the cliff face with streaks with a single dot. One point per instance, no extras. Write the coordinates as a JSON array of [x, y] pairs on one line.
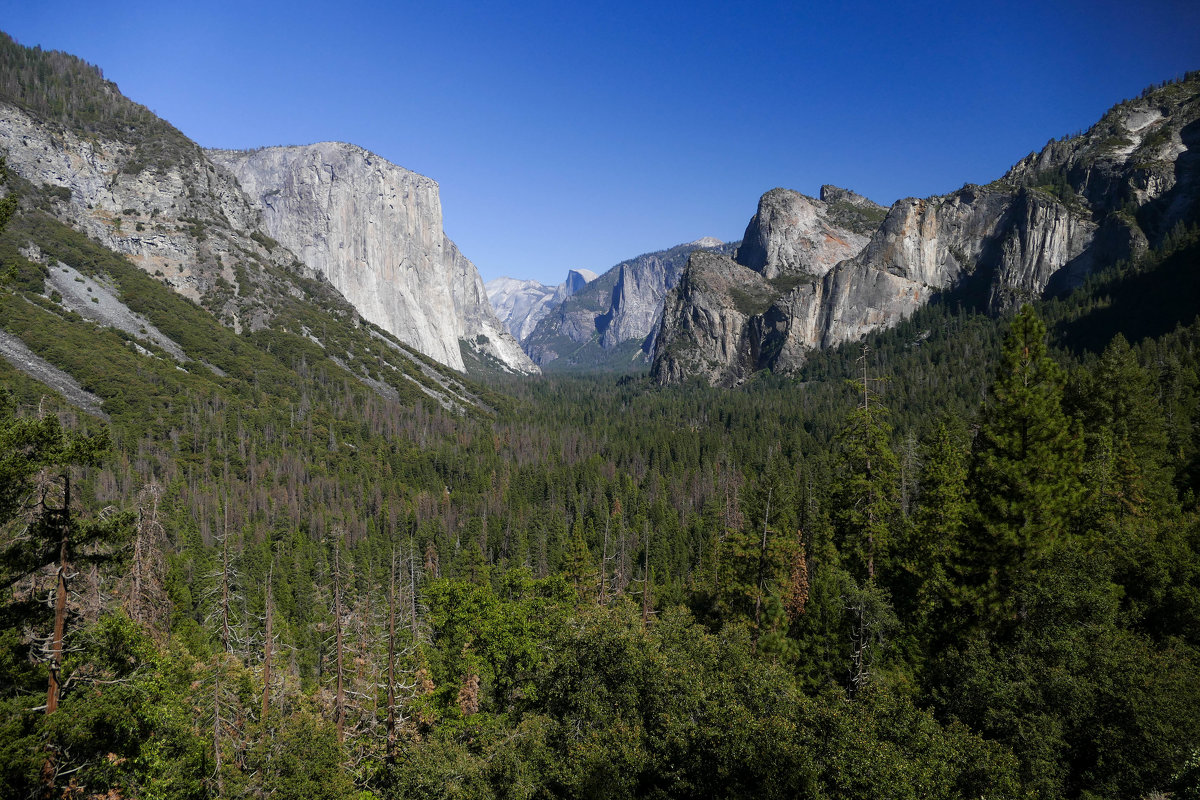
[[1079, 205], [374, 230], [611, 323], [177, 217]]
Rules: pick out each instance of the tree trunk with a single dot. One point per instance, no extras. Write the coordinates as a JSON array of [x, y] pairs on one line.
[[225, 635], [338, 710], [60, 599], [762, 566], [646, 580], [266, 700], [391, 667], [217, 723]]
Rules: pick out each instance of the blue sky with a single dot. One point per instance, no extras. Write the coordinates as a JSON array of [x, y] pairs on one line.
[[576, 135]]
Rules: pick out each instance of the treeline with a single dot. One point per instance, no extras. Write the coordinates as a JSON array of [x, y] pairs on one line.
[[66, 90]]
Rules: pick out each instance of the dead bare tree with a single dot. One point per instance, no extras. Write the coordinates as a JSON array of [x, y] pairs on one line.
[[148, 601], [225, 597], [647, 578], [340, 697], [268, 643]]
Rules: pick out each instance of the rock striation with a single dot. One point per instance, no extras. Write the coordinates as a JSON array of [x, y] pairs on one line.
[[374, 230], [792, 234], [1078, 205], [715, 323], [339, 225]]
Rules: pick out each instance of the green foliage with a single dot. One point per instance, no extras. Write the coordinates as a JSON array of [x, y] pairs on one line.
[[772, 665], [867, 499], [1082, 702], [1027, 464], [62, 89]]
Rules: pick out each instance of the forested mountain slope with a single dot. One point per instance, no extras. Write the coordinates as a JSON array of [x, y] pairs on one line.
[[112, 170]]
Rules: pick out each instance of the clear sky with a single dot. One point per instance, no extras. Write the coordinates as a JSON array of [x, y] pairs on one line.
[[579, 134]]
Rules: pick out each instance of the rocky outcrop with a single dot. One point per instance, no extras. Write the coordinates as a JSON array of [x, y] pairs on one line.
[[724, 321], [792, 234], [374, 230], [1079, 205], [521, 304], [637, 298], [704, 330], [180, 219]]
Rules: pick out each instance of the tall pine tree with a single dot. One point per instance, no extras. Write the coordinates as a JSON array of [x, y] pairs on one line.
[[867, 497], [1027, 463]]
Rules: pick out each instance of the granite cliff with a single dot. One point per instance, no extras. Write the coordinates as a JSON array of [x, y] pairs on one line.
[[1080, 204], [83, 159], [175, 214], [327, 219], [374, 230], [713, 322]]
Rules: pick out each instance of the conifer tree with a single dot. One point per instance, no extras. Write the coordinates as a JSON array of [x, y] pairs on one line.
[[1027, 460], [8, 204], [1126, 434], [37, 463], [935, 537], [581, 570], [867, 498]]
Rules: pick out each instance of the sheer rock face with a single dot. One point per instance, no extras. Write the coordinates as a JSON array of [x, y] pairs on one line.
[[519, 304], [705, 322], [637, 299], [1077, 206], [374, 230], [185, 221], [793, 234]]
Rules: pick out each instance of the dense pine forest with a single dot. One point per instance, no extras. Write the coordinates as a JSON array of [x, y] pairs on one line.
[[959, 558]]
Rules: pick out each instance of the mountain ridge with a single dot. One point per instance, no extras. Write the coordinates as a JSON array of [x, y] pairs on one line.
[[1053, 218], [136, 184]]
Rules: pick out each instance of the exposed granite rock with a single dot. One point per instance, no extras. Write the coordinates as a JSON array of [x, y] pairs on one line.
[[847, 209], [793, 234], [182, 220], [576, 280], [16, 353], [374, 230], [1080, 204], [637, 299], [704, 330], [483, 332], [519, 304]]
